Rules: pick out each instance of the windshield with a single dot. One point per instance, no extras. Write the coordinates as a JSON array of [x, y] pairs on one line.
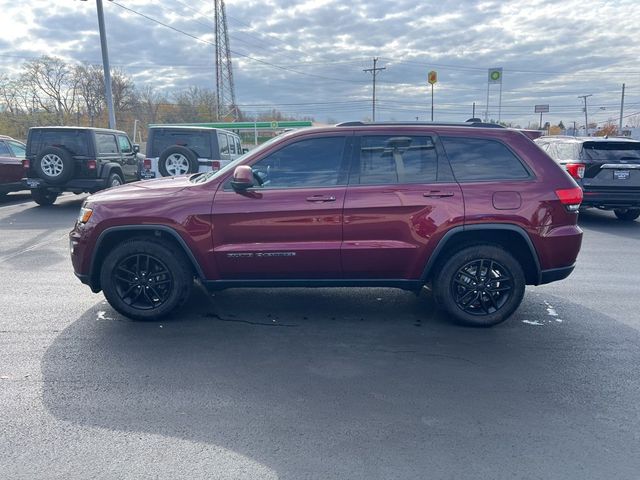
[[612, 151], [204, 177]]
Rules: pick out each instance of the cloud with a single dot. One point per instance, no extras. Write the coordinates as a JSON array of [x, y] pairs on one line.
[[306, 57]]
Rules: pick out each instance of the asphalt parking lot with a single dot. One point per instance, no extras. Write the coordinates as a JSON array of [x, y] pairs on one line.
[[315, 384]]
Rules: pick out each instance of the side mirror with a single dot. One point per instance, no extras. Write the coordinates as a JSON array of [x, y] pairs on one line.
[[242, 178], [136, 148]]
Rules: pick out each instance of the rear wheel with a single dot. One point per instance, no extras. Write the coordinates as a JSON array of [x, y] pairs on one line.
[[145, 279], [480, 285], [44, 197], [114, 180], [627, 214]]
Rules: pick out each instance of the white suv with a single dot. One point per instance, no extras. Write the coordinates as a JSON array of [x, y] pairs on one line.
[[179, 149]]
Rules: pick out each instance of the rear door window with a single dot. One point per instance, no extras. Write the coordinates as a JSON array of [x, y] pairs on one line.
[[17, 148], [106, 144], [4, 149], [390, 159], [478, 159], [223, 141]]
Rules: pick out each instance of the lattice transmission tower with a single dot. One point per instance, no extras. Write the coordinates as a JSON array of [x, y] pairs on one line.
[[225, 90]]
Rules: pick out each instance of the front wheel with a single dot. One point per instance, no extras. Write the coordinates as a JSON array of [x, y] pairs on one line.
[[44, 197], [145, 279], [480, 285], [627, 214]]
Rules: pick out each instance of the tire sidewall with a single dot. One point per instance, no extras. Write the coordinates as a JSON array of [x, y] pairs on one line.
[[175, 263], [67, 165], [112, 177], [190, 155], [445, 296], [627, 214], [44, 198]]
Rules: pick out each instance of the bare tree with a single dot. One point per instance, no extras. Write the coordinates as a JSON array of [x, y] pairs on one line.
[[89, 80], [51, 83]]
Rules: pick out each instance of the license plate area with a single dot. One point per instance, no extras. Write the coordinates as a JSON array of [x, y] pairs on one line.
[[621, 174], [32, 183]]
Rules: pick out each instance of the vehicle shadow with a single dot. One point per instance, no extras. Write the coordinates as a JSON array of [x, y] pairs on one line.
[[12, 198], [334, 383], [607, 222]]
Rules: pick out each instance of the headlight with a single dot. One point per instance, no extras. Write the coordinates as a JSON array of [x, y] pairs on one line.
[[85, 214]]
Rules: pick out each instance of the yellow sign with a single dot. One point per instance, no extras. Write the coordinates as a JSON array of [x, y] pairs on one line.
[[433, 77]]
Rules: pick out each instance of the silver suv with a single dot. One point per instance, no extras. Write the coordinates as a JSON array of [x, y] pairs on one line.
[[607, 170]]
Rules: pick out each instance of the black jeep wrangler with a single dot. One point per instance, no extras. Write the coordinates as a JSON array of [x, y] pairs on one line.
[[78, 159]]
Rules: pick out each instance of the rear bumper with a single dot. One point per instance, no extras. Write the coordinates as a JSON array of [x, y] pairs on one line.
[[12, 187], [606, 197], [555, 274], [74, 185]]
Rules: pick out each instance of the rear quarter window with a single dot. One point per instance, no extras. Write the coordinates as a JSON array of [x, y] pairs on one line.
[[478, 159]]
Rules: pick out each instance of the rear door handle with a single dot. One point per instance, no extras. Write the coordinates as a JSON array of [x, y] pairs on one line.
[[321, 198], [437, 194]]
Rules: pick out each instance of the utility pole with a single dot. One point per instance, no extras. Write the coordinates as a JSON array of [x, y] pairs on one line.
[[621, 110], [374, 71], [586, 121], [105, 64]]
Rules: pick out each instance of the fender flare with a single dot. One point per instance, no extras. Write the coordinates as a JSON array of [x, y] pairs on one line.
[[136, 228], [482, 227]]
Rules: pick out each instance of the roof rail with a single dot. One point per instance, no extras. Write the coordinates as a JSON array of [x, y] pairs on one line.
[[418, 124]]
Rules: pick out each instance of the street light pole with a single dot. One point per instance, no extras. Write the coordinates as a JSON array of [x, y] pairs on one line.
[[105, 63]]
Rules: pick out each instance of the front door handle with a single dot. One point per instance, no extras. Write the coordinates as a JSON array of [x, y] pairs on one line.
[[437, 194], [321, 198]]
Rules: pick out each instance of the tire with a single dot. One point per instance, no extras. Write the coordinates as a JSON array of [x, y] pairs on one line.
[[114, 180], [55, 165], [134, 293], [627, 214], [44, 197], [468, 285], [177, 160]]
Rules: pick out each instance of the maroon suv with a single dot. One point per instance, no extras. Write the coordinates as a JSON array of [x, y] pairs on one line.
[[475, 212]]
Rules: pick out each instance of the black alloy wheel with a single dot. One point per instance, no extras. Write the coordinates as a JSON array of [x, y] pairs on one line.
[[146, 278], [142, 281], [481, 287]]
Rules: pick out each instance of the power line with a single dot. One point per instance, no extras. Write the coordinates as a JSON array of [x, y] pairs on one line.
[[264, 62]]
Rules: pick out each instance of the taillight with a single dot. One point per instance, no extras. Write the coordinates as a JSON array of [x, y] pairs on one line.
[[146, 164], [215, 165], [576, 170], [571, 198], [92, 164], [26, 164]]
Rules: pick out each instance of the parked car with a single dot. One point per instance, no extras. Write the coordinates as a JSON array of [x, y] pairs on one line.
[[179, 150], [11, 171], [78, 159], [607, 170], [476, 213]]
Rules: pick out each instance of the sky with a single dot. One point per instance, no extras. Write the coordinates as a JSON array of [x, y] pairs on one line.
[[306, 58]]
